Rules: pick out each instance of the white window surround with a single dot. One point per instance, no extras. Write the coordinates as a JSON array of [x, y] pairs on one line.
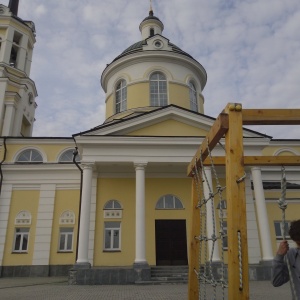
[[158, 89], [65, 243], [293, 151], [67, 217], [21, 240], [112, 236], [67, 156], [28, 150], [193, 97], [121, 96], [23, 218], [112, 210], [169, 202]]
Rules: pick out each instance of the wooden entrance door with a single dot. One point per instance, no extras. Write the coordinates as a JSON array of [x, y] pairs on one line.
[[171, 245]]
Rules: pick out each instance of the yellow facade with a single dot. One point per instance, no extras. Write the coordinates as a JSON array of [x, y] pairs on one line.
[[21, 200]]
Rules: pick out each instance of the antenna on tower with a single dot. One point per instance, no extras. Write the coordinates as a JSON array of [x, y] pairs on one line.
[[13, 6], [151, 9]]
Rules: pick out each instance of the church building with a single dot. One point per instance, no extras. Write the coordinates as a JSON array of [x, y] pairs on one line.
[[109, 204]]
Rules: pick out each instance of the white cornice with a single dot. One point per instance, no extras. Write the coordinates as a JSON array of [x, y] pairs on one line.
[[150, 56]]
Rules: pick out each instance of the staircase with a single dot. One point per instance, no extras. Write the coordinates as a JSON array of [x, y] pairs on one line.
[[168, 275]]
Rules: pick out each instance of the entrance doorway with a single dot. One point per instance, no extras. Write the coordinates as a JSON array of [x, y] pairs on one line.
[[171, 245]]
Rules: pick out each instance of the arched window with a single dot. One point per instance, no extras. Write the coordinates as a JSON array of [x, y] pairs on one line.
[[112, 209], [67, 156], [158, 90], [121, 96], [168, 202], [193, 97], [30, 156]]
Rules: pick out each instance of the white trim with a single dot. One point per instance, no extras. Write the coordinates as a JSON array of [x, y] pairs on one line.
[[286, 149]]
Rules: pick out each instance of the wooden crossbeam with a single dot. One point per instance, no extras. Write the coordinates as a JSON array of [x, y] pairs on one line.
[[258, 161], [216, 132], [271, 116]]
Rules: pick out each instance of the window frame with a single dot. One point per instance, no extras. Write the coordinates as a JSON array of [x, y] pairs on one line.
[[277, 226], [111, 230], [120, 97], [164, 207], [161, 98], [65, 233], [193, 97], [22, 233], [31, 151], [65, 153]]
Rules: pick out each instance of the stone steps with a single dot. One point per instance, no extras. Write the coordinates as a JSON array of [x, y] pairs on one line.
[[167, 275]]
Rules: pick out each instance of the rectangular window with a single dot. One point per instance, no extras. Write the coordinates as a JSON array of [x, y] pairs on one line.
[[21, 240], [112, 236], [65, 239], [278, 230], [225, 239]]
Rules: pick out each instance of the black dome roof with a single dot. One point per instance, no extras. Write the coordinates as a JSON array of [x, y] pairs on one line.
[[138, 47]]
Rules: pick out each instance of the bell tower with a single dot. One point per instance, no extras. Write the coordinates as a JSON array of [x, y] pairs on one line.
[[17, 90]]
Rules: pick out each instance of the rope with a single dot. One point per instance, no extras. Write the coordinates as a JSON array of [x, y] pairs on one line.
[[283, 206], [205, 274]]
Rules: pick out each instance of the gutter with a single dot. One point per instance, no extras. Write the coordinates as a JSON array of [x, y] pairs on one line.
[[2, 161]]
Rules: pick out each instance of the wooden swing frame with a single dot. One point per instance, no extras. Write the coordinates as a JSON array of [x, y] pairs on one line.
[[230, 124]]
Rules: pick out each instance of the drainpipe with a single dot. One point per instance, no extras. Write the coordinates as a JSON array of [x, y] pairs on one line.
[[75, 153], [2, 161]]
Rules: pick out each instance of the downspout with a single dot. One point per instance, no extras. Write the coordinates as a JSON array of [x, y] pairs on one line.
[[2, 161], [75, 153]]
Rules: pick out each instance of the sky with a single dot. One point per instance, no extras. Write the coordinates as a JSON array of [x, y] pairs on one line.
[[249, 48]]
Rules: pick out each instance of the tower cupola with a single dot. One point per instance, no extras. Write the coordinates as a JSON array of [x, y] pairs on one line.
[[151, 25]]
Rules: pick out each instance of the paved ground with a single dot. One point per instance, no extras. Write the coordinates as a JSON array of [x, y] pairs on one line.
[[57, 288]]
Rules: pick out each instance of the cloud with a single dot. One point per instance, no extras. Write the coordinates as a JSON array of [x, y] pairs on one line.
[[250, 50]]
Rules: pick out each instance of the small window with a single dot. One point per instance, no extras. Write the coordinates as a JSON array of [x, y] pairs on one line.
[[112, 204], [65, 239], [21, 240], [151, 31], [67, 156], [112, 236], [158, 90], [121, 96], [278, 230], [29, 156], [168, 202], [193, 97], [112, 210], [224, 239]]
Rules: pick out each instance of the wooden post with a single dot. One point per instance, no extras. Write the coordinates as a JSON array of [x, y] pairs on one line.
[[236, 207], [193, 288]]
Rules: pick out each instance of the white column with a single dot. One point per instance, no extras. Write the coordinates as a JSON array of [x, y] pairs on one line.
[[211, 222], [140, 233], [84, 226], [262, 216]]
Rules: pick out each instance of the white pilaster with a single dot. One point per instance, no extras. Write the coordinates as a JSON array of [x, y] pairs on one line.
[[84, 225], [211, 221], [262, 216], [42, 242], [140, 233]]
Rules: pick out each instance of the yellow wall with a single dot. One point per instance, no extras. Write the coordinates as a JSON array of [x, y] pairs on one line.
[[123, 190], [138, 95], [271, 150], [64, 200], [179, 95], [110, 109], [170, 128], [21, 200], [51, 151]]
